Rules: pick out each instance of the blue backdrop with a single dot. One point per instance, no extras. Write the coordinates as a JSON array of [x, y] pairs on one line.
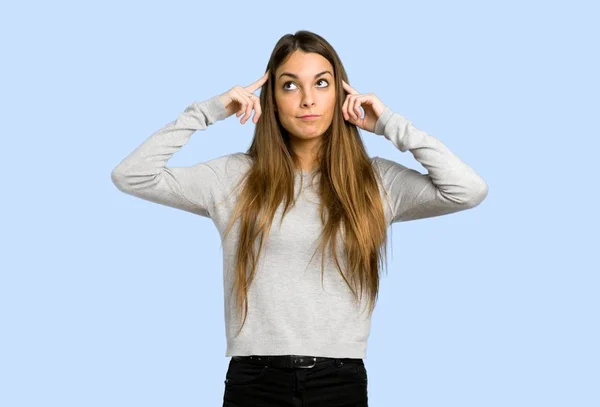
[[109, 300]]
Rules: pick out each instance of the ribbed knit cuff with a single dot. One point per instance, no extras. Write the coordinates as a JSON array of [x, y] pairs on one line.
[[215, 108], [382, 120]]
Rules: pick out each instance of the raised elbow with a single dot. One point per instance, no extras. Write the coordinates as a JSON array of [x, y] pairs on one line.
[[478, 194], [117, 178]]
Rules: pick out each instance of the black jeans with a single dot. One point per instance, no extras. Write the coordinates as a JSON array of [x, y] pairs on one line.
[[271, 381]]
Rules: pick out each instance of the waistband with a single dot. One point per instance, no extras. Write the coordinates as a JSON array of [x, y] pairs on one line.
[[294, 361]]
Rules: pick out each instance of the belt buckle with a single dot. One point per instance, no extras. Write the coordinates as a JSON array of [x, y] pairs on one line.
[[298, 361]]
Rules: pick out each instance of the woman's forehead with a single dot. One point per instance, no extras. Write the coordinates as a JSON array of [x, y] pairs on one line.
[[302, 64]]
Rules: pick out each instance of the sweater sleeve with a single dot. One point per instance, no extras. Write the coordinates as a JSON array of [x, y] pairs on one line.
[[144, 173], [450, 185]]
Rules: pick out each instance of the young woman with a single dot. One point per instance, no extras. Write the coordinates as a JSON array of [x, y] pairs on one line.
[[296, 325]]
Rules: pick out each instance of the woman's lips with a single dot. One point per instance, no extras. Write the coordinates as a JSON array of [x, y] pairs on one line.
[[310, 117]]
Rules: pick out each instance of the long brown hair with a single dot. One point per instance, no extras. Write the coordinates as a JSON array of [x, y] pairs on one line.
[[350, 198]]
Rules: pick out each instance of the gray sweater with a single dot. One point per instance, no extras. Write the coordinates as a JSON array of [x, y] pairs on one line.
[[290, 311]]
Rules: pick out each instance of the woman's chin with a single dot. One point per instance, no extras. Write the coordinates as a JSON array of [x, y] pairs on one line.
[[308, 133]]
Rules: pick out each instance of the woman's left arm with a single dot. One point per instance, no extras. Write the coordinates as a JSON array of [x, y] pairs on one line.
[[451, 185]]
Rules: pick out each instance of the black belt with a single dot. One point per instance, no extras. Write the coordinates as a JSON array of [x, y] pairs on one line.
[[292, 361]]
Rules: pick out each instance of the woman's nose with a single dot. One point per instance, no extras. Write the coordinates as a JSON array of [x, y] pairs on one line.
[[307, 99]]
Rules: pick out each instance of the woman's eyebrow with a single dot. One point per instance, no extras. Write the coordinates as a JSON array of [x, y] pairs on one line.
[[296, 76]]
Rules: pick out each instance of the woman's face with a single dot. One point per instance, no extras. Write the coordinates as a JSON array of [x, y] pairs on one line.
[[304, 84]]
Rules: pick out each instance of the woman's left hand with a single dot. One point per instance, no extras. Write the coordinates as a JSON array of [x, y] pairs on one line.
[[370, 103]]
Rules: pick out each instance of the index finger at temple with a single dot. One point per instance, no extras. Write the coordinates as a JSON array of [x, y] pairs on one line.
[[256, 85], [349, 88]]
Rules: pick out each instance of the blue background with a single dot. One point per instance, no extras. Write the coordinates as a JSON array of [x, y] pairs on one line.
[[110, 300]]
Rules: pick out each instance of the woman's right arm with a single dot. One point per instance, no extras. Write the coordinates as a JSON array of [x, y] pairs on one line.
[[144, 173]]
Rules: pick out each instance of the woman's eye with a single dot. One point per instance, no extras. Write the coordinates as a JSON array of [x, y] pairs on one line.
[[320, 80]]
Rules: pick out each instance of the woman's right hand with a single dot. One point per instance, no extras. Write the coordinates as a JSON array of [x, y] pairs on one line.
[[242, 100]]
